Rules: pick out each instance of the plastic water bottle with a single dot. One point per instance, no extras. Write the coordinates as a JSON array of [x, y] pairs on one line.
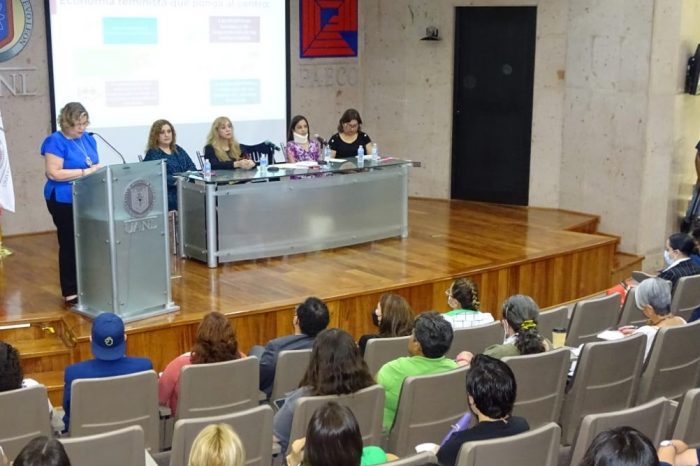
[[375, 152], [263, 163], [206, 169], [326, 153], [360, 157]]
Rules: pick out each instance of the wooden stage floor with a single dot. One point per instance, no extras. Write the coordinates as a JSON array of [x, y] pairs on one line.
[[553, 255]]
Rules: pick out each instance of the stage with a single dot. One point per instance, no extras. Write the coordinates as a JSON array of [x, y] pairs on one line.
[[553, 255]]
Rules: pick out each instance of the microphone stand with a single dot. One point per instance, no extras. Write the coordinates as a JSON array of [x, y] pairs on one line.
[[110, 146]]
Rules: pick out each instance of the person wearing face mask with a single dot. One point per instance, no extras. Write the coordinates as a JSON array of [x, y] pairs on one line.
[[679, 247], [463, 298], [300, 147], [394, 317], [521, 335]]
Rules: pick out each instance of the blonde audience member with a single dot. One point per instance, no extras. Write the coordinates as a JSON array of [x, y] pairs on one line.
[[217, 445]]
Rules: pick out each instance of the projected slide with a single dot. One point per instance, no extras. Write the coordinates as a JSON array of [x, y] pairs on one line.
[[131, 62]]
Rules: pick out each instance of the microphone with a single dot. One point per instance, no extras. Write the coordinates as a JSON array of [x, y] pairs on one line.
[[320, 139], [110, 146]]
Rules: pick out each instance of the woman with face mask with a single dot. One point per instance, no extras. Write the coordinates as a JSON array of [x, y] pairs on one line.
[[394, 317], [300, 147], [679, 247], [463, 298]]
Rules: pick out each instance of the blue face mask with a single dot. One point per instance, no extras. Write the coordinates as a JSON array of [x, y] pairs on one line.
[[667, 257]]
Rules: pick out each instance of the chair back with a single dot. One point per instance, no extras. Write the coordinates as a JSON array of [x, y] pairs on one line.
[[380, 351], [537, 447], [115, 448], [253, 426], [25, 415], [547, 321], [541, 380], [592, 316], [218, 388], [290, 368], [673, 364], [475, 339], [256, 150], [140, 157], [630, 314], [367, 405], [110, 403], [687, 427], [686, 296], [200, 159], [428, 406], [418, 459], [606, 379], [651, 419]]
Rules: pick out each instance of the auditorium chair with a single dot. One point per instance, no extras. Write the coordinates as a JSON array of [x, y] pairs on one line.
[[536, 447], [630, 314], [115, 448], [200, 159], [367, 405], [475, 339], [606, 378], [110, 403], [651, 419], [541, 380], [547, 321], [25, 415], [686, 296], [416, 459], [687, 427], [380, 351], [428, 406], [592, 316], [289, 370], [673, 364]]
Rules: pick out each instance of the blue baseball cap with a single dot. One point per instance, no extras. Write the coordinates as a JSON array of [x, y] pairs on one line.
[[108, 339]]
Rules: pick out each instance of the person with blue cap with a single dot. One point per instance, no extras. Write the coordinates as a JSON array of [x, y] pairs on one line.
[[108, 345]]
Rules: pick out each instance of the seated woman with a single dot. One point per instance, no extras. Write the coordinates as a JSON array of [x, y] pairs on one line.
[[336, 368], [519, 321], [653, 298], [300, 147], [217, 444], [349, 138], [491, 392], [463, 298], [393, 316], [222, 149], [620, 446], [215, 342], [161, 145], [42, 451], [333, 438], [679, 247]]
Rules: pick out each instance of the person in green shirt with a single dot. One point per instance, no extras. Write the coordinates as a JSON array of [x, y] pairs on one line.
[[430, 340], [463, 298]]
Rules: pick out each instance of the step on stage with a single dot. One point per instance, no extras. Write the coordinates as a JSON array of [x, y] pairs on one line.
[[553, 255]]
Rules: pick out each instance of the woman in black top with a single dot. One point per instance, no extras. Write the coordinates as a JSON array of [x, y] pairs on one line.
[[349, 138], [222, 149]]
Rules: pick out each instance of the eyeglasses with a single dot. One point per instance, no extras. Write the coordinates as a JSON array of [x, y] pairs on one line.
[[448, 293], [351, 125]]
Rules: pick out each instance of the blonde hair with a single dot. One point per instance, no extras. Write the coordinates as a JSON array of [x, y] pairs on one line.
[[234, 151], [70, 115], [217, 445]]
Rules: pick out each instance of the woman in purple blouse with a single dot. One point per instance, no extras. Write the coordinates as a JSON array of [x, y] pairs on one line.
[[299, 146]]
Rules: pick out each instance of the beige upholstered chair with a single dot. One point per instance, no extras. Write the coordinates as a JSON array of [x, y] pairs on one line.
[[24, 415], [114, 448], [687, 426], [475, 339], [630, 314], [541, 379], [592, 316], [549, 320], [380, 351], [418, 459], [428, 406], [606, 379], [290, 368], [686, 296], [110, 403], [537, 447]]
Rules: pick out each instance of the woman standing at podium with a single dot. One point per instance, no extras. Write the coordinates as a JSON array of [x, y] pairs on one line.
[[69, 153], [161, 145], [222, 149]]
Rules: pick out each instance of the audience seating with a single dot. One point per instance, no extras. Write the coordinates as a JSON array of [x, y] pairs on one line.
[[606, 379], [109, 403], [475, 339], [687, 427], [630, 314], [417, 459], [650, 418], [592, 316], [673, 364], [25, 415], [290, 369], [115, 448], [367, 405], [549, 320], [380, 351], [428, 406], [686, 296], [537, 447], [541, 380]]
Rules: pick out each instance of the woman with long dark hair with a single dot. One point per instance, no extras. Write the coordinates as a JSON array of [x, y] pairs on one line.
[[394, 317]]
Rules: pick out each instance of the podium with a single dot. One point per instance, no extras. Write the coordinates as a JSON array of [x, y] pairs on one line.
[[121, 241]]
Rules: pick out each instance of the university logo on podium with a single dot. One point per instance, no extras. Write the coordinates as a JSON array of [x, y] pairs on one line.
[[16, 23], [328, 28]]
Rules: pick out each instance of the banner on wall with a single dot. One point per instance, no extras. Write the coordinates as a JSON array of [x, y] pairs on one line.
[[328, 28], [7, 191]]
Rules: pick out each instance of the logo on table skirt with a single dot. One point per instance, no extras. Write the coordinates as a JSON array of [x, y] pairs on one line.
[[16, 23], [328, 28], [138, 198]]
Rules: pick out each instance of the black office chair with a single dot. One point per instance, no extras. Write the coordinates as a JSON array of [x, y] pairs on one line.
[[255, 151]]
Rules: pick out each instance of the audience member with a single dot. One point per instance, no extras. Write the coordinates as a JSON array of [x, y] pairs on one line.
[[336, 368], [217, 445], [108, 345], [695, 233], [463, 298], [677, 453], [430, 340], [310, 317], [42, 451], [393, 316], [679, 247], [10, 368], [519, 321], [491, 392], [215, 342], [621, 446]]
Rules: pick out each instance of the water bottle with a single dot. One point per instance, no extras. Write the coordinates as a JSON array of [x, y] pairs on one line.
[[263, 163], [206, 169], [375, 152], [360, 156], [326, 153]]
